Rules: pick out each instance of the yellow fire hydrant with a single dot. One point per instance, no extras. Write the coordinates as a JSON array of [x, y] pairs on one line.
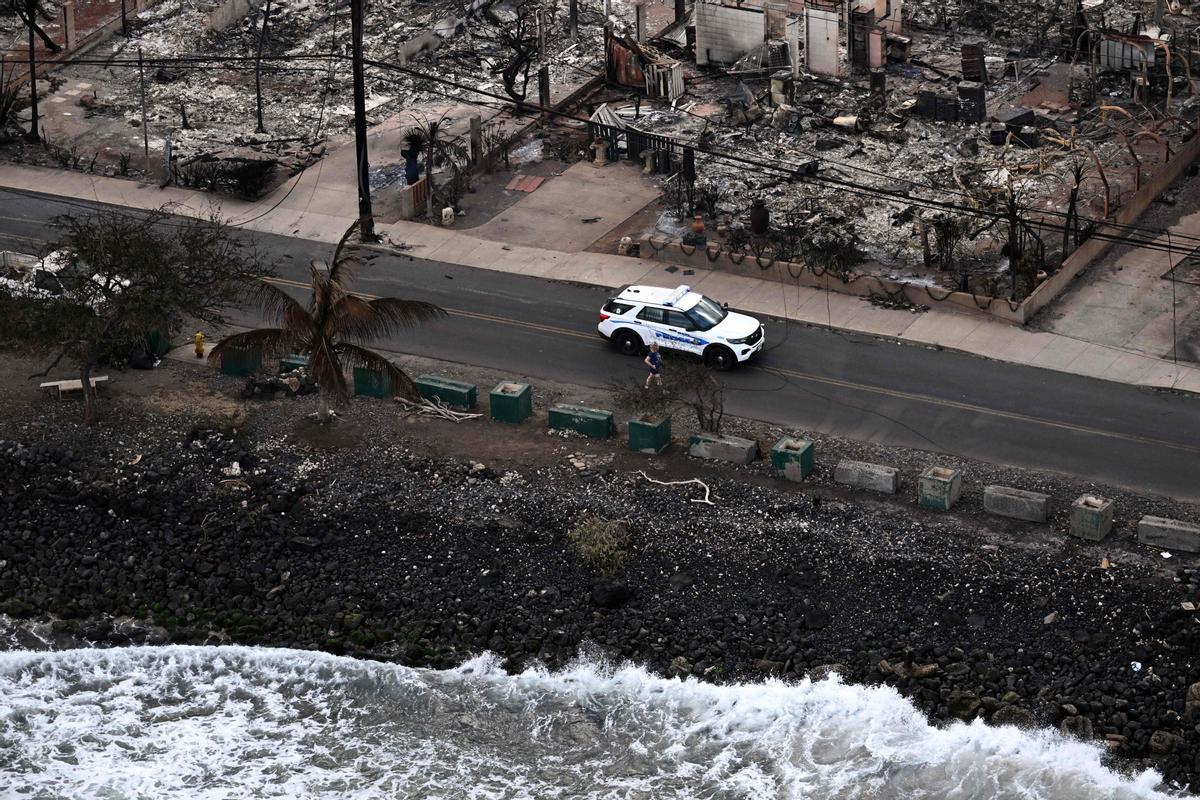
[[198, 340]]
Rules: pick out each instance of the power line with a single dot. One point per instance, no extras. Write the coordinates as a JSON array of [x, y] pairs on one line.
[[791, 171], [782, 169]]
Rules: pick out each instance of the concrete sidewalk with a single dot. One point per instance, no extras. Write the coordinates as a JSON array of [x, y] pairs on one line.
[[281, 214]]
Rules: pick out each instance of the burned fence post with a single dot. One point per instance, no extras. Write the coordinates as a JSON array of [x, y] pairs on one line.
[[69, 24], [477, 154], [573, 19]]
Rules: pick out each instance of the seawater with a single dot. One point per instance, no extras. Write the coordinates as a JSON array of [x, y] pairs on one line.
[[243, 722]]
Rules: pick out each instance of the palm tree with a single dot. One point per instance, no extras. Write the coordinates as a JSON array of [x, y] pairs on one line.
[[333, 330], [429, 137]]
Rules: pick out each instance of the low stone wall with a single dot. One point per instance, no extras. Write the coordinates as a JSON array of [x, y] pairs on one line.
[[717, 257]]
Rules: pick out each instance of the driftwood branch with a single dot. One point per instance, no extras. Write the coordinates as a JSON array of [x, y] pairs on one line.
[[697, 481], [436, 409]]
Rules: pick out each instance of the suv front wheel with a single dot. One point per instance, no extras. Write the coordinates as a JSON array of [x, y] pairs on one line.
[[628, 342], [720, 357]]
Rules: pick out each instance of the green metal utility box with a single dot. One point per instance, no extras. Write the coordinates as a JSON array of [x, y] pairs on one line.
[[292, 362], [939, 488], [591, 422], [241, 361], [371, 382], [511, 402], [452, 393], [792, 458], [650, 436]]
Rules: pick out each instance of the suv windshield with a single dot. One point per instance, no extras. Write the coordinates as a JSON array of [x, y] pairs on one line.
[[707, 313]]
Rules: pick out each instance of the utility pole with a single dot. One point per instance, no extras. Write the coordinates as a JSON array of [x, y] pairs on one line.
[[543, 65], [366, 218], [145, 130], [31, 8], [262, 40]]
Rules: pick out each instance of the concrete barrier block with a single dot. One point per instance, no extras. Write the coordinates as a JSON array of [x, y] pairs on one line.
[[733, 449], [1004, 501], [861, 475], [594, 423], [445, 390], [1091, 517], [1169, 534], [650, 436], [792, 458], [372, 382], [939, 488]]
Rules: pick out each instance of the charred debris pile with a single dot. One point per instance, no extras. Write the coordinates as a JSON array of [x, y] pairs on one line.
[[900, 139], [206, 59]]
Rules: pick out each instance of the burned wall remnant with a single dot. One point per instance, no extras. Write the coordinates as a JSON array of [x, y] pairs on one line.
[[726, 33], [821, 41]]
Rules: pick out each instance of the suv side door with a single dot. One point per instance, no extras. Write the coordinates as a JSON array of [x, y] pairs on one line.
[[683, 330]]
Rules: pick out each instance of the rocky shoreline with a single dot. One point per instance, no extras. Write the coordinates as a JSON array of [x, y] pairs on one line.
[[381, 552]]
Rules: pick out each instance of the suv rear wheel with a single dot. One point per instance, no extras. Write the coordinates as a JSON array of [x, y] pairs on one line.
[[720, 357], [628, 342]]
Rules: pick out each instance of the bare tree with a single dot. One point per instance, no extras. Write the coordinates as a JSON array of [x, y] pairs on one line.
[[514, 28], [124, 277], [28, 11], [688, 385]]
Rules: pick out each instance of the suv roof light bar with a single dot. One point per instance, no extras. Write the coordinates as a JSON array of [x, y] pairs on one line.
[[677, 295]]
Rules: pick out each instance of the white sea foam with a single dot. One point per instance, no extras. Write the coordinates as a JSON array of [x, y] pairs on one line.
[[233, 722]]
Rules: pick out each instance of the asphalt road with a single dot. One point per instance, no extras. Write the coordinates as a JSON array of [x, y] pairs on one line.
[[855, 386]]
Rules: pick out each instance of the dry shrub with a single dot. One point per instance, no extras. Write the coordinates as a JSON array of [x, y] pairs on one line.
[[200, 405], [600, 543]]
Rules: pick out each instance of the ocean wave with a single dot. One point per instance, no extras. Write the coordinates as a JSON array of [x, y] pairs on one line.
[[235, 722]]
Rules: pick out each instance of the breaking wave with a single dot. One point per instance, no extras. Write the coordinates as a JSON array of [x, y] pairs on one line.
[[240, 722]]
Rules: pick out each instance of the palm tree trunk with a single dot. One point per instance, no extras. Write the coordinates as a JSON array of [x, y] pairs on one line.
[[89, 394], [323, 411], [429, 175]]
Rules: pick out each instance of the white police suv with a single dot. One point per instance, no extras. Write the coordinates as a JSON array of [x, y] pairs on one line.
[[679, 319]]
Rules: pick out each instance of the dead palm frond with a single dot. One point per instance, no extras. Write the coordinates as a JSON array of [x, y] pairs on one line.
[[334, 330]]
